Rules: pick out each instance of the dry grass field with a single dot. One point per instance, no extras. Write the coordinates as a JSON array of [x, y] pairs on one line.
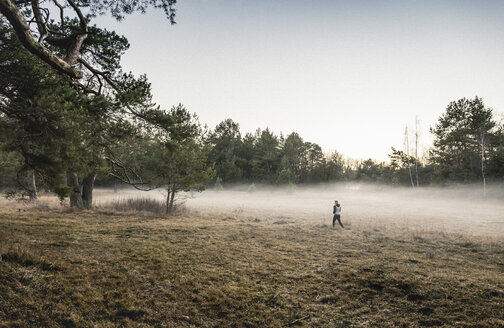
[[213, 266]]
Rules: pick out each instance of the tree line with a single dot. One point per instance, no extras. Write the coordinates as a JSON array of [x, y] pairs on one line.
[[468, 147]]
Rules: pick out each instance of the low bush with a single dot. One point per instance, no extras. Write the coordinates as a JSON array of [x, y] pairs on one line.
[[137, 205]]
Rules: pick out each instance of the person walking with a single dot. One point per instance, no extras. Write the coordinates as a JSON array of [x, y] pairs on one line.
[[337, 214]]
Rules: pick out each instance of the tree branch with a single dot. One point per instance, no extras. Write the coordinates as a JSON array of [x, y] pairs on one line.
[[120, 172], [14, 16], [82, 19], [41, 23], [104, 74], [57, 4]]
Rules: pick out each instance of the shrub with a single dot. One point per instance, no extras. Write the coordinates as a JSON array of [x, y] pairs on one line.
[[138, 205]]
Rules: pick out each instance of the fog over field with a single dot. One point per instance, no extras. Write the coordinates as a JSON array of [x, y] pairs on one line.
[[387, 209]]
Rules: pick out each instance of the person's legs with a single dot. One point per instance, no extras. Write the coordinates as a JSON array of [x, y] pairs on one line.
[[333, 220], [339, 221]]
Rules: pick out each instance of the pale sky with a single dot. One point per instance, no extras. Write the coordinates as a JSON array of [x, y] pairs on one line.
[[348, 75]]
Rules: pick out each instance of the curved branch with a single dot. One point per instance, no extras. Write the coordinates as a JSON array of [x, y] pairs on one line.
[[73, 50], [82, 19], [41, 23], [105, 75], [14, 16], [61, 9], [120, 172]]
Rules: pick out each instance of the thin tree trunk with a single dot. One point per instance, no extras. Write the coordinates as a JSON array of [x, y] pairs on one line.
[[416, 172], [483, 163], [168, 200], [416, 151], [76, 195], [172, 198], [407, 153], [31, 185], [87, 190]]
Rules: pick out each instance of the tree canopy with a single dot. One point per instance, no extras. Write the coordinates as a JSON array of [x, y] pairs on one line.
[[59, 32], [67, 136], [463, 136]]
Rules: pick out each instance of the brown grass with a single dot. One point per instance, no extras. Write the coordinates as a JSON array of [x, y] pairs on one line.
[[46, 202], [136, 205], [116, 269]]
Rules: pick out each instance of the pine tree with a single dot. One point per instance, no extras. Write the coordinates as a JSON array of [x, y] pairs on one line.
[[463, 135]]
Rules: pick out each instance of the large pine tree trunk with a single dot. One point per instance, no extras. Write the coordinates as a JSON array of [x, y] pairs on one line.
[[76, 195], [87, 190], [31, 185]]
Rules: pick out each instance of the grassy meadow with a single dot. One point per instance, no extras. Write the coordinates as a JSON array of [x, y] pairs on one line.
[[105, 268]]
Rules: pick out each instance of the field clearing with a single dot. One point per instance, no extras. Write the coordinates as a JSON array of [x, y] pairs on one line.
[[395, 210], [271, 259]]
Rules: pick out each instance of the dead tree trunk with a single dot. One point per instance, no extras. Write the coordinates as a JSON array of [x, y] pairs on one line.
[[31, 185], [87, 190], [76, 194]]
